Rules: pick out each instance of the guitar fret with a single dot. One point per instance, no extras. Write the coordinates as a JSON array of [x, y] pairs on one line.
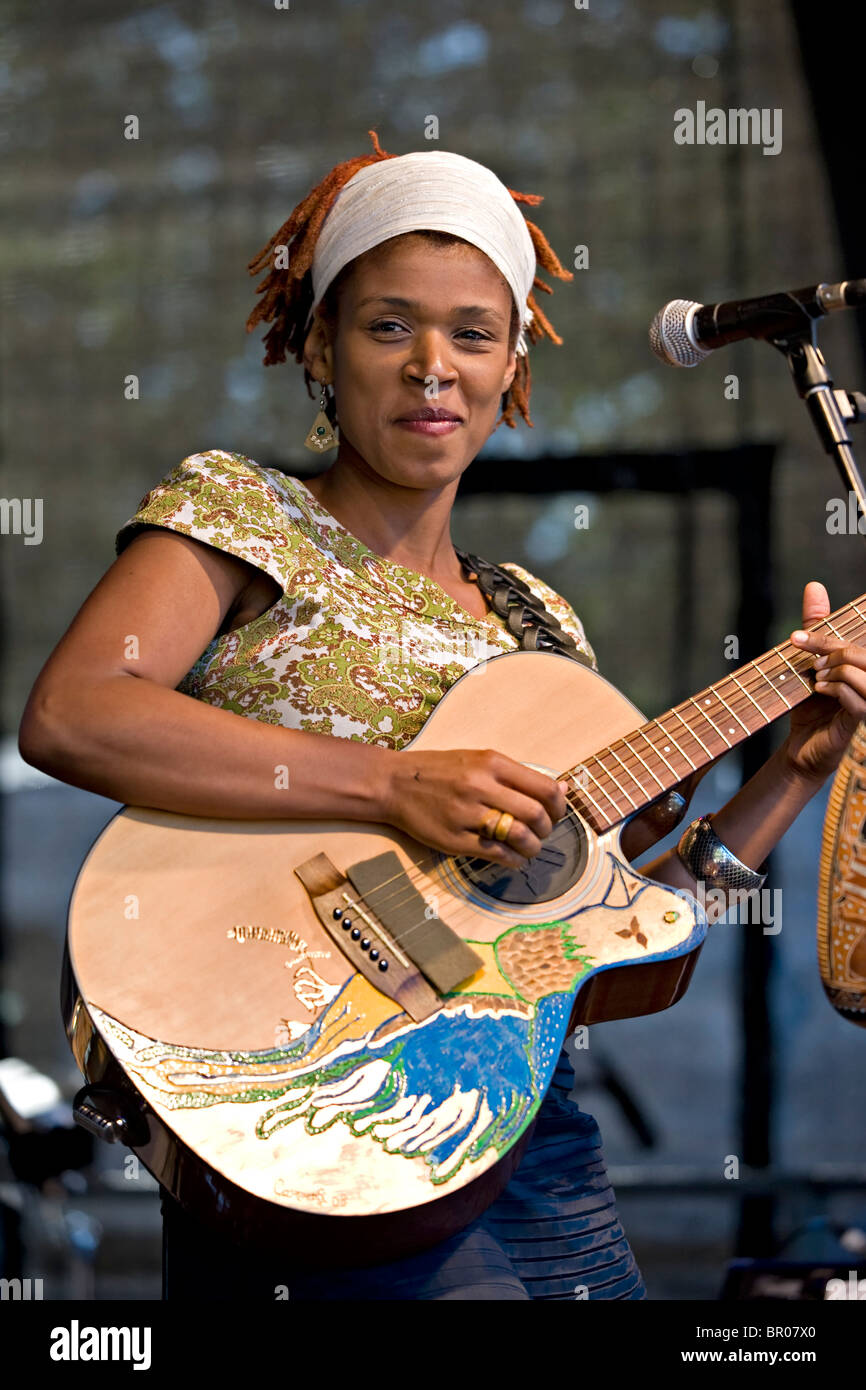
[[614, 778], [684, 756], [797, 673], [731, 712], [765, 717], [695, 736], [774, 688], [709, 719], [832, 628], [590, 797], [605, 794], [584, 791], [659, 753], [646, 765]]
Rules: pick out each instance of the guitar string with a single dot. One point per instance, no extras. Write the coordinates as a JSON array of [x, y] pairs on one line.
[[746, 704], [554, 838], [430, 859]]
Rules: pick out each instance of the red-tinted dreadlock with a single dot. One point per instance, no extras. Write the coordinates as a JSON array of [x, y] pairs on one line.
[[287, 289]]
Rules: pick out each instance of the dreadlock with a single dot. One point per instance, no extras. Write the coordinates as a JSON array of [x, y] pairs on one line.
[[287, 289]]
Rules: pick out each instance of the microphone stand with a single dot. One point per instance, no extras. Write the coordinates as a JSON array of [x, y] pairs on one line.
[[830, 409]]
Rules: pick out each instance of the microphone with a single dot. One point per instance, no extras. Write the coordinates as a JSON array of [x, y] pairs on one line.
[[684, 333]]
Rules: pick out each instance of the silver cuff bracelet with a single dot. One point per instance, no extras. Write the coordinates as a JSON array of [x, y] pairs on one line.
[[708, 860]]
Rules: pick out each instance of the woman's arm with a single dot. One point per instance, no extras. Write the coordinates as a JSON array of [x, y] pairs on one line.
[[751, 824], [821, 728], [104, 713]]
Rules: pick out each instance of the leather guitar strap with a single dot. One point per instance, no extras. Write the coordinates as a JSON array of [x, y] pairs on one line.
[[525, 614]]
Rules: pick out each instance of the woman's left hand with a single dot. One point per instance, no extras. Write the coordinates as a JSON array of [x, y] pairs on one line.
[[823, 725]]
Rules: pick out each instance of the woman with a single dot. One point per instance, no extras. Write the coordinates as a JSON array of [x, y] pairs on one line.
[[334, 614]]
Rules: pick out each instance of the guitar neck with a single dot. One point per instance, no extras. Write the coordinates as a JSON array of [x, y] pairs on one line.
[[627, 775]]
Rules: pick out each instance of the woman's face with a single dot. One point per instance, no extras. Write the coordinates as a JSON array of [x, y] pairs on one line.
[[416, 318]]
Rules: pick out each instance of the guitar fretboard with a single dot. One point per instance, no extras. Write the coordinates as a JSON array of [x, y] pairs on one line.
[[635, 770]]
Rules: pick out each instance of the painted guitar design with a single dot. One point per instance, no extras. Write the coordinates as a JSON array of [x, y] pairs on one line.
[[328, 1034]]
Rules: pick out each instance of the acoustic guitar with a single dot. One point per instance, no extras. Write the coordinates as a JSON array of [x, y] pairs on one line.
[[326, 1037]]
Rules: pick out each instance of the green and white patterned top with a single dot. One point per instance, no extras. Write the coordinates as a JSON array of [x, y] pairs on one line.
[[356, 646]]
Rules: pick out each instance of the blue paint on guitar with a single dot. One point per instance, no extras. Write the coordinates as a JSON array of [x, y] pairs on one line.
[[501, 1063]]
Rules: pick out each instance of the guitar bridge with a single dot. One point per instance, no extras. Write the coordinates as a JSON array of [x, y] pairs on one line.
[[376, 917]]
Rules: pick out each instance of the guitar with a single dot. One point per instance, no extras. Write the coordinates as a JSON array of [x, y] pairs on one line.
[[328, 1037]]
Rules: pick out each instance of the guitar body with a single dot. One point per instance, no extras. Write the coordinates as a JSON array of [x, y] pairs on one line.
[[263, 1078]]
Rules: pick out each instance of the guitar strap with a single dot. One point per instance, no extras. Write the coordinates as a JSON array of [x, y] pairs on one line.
[[525, 614]]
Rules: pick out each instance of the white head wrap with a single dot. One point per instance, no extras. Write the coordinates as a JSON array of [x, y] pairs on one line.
[[431, 190]]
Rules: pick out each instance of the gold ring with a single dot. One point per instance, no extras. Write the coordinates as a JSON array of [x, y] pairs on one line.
[[487, 828], [503, 825]]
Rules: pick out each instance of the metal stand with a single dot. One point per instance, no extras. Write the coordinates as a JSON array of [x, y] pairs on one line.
[[830, 409]]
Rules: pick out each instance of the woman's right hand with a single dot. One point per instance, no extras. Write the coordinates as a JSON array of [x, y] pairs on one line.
[[444, 798]]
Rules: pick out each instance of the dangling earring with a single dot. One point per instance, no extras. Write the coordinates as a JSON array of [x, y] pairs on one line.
[[321, 437]]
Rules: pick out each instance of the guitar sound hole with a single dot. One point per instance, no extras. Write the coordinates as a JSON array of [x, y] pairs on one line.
[[550, 873]]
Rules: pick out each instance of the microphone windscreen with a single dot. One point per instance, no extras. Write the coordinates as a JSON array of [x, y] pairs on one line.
[[669, 335]]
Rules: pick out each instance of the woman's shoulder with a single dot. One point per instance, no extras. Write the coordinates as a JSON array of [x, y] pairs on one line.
[[556, 604], [215, 492], [236, 473], [230, 502]]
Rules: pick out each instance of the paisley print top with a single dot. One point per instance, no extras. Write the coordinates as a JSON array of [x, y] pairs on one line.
[[356, 646]]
